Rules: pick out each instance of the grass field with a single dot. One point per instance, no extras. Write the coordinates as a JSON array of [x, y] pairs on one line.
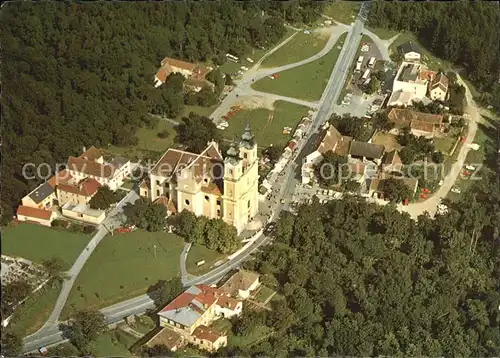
[[198, 253], [263, 294], [256, 54], [299, 48], [224, 325], [267, 131], [432, 61], [343, 11], [149, 142], [124, 266], [33, 313], [305, 82], [37, 243]]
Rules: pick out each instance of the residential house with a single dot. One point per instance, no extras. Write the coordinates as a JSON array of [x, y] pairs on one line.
[[208, 184], [410, 51], [77, 193], [194, 74], [392, 162], [42, 197], [366, 151], [241, 284], [91, 164], [168, 338], [329, 139], [420, 124], [438, 88], [35, 215], [193, 311]]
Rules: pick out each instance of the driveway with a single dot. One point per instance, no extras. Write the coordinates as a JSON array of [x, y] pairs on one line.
[[431, 204]]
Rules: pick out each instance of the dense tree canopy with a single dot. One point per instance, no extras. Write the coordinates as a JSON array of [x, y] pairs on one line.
[[81, 74], [146, 215]]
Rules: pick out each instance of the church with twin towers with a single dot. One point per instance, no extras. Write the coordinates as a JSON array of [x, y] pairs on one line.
[[209, 183]]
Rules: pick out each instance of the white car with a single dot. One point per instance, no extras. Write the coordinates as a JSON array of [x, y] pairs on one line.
[[456, 190], [325, 192], [470, 167], [330, 192]]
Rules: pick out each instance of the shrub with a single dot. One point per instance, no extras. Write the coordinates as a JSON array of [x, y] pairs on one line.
[[88, 229], [60, 223], [163, 134], [437, 157]]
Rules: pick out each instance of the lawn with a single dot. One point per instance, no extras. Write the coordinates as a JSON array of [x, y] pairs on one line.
[[305, 82], [240, 341], [144, 324], [388, 140], [343, 11], [38, 243], [432, 62], [113, 344], [198, 253], [299, 48], [33, 313], [124, 266], [263, 294], [256, 54], [267, 130]]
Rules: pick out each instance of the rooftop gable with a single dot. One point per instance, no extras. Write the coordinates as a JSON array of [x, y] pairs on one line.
[[41, 214], [41, 192]]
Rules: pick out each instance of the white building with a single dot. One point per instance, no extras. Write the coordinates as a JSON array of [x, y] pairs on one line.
[[410, 51], [438, 88]]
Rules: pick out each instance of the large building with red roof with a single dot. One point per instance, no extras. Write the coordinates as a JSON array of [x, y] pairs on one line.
[[192, 312]]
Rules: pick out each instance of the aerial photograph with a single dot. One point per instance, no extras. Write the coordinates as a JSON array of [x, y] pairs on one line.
[[250, 178]]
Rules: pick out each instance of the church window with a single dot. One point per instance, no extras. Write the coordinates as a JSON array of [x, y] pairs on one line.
[[207, 198], [186, 201], [230, 172], [157, 182], [245, 155], [248, 203], [218, 202], [218, 212]]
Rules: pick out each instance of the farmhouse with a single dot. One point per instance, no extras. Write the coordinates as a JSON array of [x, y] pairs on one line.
[[438, 88], [194, 73], [420, 124], [241, 284]]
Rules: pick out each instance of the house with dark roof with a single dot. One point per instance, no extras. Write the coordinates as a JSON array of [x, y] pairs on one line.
[[391, 162], [410, 51], [42, 197], [366, 151], [192, 312]]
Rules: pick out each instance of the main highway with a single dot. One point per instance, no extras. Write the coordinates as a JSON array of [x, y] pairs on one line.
[[51, 334]]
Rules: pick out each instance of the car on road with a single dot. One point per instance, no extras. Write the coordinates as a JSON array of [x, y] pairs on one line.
[[270, 227]]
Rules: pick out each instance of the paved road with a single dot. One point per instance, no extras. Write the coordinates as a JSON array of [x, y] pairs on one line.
[[50, 334], [112, 221], [431, 204]]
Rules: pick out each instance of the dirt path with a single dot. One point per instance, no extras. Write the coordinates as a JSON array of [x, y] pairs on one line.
[[432, 203]]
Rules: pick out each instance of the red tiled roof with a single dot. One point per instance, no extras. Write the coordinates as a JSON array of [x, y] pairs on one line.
[[207, 334], [91, 154], [62, 177], [405, 117], [91, 168], [205, 297], [87, 187], [34, 212], [178, 63]]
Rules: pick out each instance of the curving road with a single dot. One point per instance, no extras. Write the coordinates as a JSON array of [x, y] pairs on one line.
[[50, 333], [431, 204]]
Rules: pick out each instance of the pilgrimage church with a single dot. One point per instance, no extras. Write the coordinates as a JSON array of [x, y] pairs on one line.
[[209, 183]]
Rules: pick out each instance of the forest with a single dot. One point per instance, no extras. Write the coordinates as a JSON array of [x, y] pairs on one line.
[[466, 33], [78, 74]]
